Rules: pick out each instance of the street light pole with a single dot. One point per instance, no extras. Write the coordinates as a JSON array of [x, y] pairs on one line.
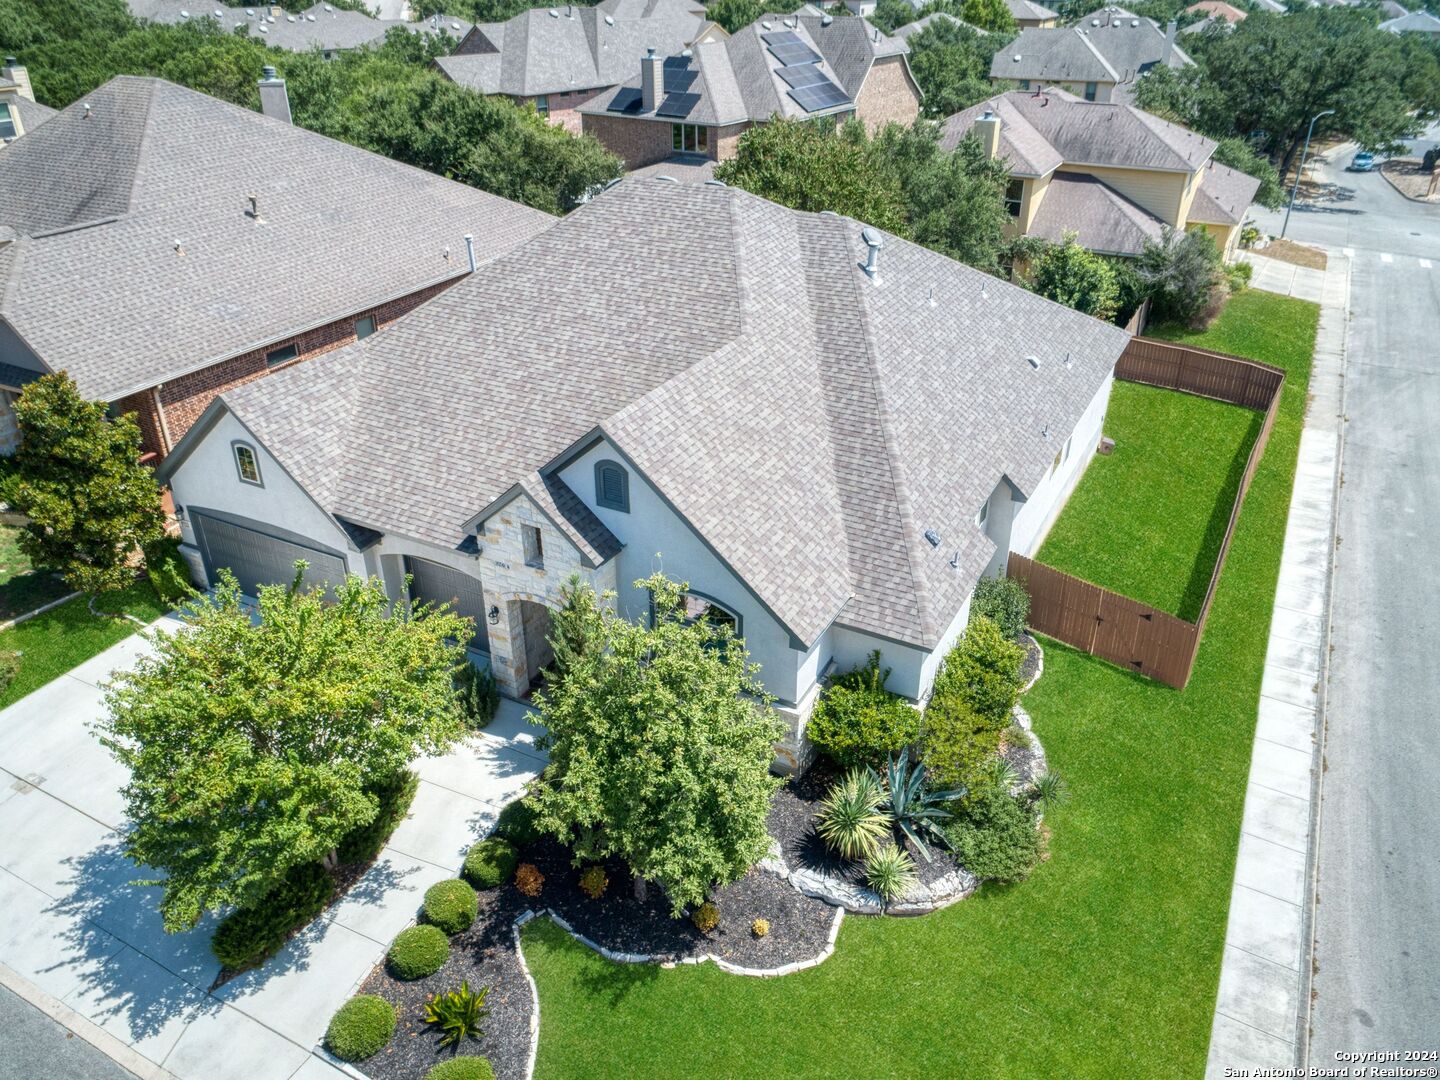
[[1301, 170]]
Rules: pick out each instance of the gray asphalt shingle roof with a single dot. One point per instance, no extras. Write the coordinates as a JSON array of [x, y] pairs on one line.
[[1416, 22], [809, 423], [1028, 9], [1225, 195], [1117, 51], [1100, 217], [320, 26], [100, 195]]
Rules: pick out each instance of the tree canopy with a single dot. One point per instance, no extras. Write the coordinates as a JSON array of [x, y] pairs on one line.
[[92, 505], [952, 65], [1077, 278], [732, 15], [253, 748], [660, 743]]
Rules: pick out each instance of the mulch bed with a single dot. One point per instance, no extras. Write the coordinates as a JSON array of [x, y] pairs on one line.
[[1031, 664]]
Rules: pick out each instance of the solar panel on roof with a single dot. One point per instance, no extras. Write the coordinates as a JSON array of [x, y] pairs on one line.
[[780, 37], [677, 105], [803, 75], [678, 80], [795, 52], [819, 96], [627, 100]]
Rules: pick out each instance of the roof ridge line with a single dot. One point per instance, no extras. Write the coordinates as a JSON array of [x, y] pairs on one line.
[[151, 85]]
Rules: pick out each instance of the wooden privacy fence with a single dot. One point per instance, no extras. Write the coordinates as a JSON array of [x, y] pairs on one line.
[[1108, 624]]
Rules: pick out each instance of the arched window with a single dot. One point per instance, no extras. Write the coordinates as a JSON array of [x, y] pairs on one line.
[[696, 606], [612, 486], [247, 463]]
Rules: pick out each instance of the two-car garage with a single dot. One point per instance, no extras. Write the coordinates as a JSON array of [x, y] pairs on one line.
[[259, 556]]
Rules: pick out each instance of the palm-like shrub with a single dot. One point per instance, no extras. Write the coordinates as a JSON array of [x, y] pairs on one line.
[[890, 872], [457, 1013], [918, 813], [851, 821], [1049, 790]]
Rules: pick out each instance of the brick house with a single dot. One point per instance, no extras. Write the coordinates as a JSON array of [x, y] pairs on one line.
[[162, 247], [558, 58], [699, 101], [829, 433], [1114, 175]]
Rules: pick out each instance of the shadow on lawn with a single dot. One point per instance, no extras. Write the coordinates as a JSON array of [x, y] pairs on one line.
[[1203, 567]]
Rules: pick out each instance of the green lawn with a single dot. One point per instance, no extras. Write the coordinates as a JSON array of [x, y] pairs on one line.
[[53, 643], [22, 587], [1103, 964], [1147, 520]]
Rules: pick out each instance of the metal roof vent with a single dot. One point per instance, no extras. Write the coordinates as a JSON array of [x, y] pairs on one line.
[[554, 14], [1016, 58], [764, 24], [716, 183], [668, 179], [930, 296], [687, 53], [826, 19], [470, 250], [1094, 22], [609, 20], [1045, 432], [1068, 362], [184, 14], [1033, 361], [253, 212], [932, 537], [873, 243], [309, 18], [1134, 22]]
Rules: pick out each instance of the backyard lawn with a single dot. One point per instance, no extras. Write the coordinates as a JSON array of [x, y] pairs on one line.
[[1147, 520], [1104, 963], [22, 587]]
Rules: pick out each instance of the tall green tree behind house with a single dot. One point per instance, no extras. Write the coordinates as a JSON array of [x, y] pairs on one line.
[[92, 506], [952, 65], [253, 748], [1077, 278], [660, 747], [985, 14], [732, 15]]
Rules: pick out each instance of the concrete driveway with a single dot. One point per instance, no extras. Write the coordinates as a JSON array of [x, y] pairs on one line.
[[77, 928]]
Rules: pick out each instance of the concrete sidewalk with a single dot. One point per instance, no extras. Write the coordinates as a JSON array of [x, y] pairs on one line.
[[1264, 977], [1287, 279]]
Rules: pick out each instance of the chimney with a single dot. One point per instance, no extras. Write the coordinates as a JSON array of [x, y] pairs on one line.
[[1169, 43], [988, 128], [274, 100], [873, 243], [652, 80], [17, 74]]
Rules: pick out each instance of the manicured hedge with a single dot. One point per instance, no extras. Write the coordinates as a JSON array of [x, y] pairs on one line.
[[361, 1028], [451, 905], [250, 935], [490, 863], [417, 952], [363, 845], [462, 1068]]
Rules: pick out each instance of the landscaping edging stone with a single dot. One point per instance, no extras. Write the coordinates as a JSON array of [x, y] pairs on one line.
[[1031, 643]]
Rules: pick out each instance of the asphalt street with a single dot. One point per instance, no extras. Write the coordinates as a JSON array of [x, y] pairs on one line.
[[34, 1047], [1377, 947]]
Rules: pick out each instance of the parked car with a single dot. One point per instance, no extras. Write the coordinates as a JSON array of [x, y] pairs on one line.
[[1362, 162]]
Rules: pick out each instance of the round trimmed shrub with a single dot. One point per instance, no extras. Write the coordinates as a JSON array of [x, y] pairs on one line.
[[462, 1068], [490, 863], [451, 905], [517, 823], [417, 952], [361, 1028]]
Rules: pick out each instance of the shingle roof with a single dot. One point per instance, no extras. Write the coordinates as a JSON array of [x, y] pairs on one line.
[[1225, 195], [31, 113], [1040, 129], [1118, 50], [909, 30], [810, 423], [101, 194], [737, 78], [1218, 8], [1101, 218], [687, 168], [1028, 9], [567, 48], [1417, 22], [320, 26]]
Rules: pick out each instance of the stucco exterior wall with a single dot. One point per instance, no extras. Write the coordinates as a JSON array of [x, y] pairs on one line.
[[1030, 204], [889, 94]]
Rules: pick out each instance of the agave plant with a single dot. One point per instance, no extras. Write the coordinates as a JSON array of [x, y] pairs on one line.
[[457, 1013], [916, 811], [852, 821], [890, 872], [1049, 790]]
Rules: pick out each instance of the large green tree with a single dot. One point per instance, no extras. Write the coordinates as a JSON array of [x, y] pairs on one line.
[[952, 65], [660, 745], [1179, 272], [1239, 154], [92, 506], [732, 15], [1077, 278], [254, 747]]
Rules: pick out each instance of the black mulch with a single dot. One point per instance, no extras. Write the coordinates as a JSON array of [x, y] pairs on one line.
[[792, 822], [1031, 664], [485, 956]]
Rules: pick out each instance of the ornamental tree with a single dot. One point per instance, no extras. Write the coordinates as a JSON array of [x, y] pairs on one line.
[[660, 744], [92, 505], [1077, 278], [254, 748]]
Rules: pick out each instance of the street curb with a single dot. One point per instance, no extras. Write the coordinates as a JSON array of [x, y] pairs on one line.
[[131, 1061], [1421, 199]]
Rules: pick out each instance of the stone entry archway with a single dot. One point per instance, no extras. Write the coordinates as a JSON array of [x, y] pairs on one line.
[[519, 646], [535, 627]]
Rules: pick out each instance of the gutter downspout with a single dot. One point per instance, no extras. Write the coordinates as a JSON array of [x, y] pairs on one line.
[[167, 444]]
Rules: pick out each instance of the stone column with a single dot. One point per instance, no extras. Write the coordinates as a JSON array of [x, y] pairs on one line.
[[507, 648]]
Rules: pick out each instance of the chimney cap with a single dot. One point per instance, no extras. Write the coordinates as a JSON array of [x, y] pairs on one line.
[[268, 71], [10, 61]]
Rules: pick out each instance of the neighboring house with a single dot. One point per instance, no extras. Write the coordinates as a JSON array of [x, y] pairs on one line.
[[162, 246], [1416, 22], [909, 30], [831, 456], [1113, 174], [701, 100], [1098, 59], [1030, 15], [556, 58], [1214, 12], [326, 28], [19, 111]]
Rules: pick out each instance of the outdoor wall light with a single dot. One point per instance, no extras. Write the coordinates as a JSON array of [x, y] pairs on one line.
[[493, 614]]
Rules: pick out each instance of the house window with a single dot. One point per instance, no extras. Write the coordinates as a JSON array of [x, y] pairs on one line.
[[534, 547], [1024, 84], [364, 327], [695, 606], [282, 355], [984, 513], [612, 486], [7, 123], [247, 464], [1014, 194], [693, 138], [542, 104], [1090, 91]]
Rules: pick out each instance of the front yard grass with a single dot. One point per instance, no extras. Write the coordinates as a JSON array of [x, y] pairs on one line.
[[23, 587], [1105, 963], [53, 643], [1147, 520]]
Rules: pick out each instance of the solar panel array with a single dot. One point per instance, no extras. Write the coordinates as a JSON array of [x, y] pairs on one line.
[[679, 75], [627, 100], [787, 47], [677, 105], [822, 95]]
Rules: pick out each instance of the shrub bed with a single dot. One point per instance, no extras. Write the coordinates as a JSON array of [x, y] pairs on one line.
[[250, 935], [517, 824], [361, 1028], [858, 722], [418, 951], [993, 834], [1004, 601], [364, 844], [462, 1068], [490, 863], [451, 905]]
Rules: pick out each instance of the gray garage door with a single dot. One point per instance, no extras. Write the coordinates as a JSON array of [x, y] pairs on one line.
[[257, 558], [436, 583]]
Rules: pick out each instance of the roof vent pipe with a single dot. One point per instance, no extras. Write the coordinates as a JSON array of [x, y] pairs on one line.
[[274, 99], [826, 19], [470, 250], [873, 243]]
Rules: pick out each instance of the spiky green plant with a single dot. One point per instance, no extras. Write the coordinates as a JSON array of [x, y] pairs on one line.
[[1049, 790], [457, 1013], [1004, 774], [919, 813], [890, 872], [851, 820]]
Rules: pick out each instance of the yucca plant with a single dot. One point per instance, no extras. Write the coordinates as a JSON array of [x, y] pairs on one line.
[[918, 812], [1049, 790], [890, 872], [457, 1013], [1004, 775], [851, 819]]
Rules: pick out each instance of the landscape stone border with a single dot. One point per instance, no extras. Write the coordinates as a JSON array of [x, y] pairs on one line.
[[1040, 665]]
